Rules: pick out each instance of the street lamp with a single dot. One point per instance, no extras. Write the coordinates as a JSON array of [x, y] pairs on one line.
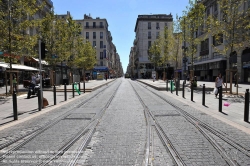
[[185, 49]]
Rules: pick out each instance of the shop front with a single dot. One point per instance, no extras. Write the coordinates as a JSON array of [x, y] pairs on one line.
[[246, 65]]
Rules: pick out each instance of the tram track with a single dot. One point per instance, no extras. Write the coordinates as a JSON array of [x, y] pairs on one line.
[[17, 143], [202, 128], [88, 131], [150, 121], [202, 125]]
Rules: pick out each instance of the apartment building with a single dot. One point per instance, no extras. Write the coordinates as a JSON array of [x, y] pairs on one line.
[[208, 62], [147, 29], [95, 30]]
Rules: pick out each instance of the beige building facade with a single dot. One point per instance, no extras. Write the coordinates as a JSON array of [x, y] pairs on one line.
[[147, 29]]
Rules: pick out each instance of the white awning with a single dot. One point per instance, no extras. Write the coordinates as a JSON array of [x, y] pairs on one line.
[[42, 61], [18, 67]]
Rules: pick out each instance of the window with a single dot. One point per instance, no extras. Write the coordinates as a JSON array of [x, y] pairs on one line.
[[157, 26], [101, 24], [204, 45], [149, 35], [157, 34], [248, 3], [166, 24], [149, 25], [217, 39], [101, 44], [87, 24], [101, 55], [94, 43], [87, 35], [101, 35], [94, 25], [104, 53], [149, 44], [94, 35], [101, 63]]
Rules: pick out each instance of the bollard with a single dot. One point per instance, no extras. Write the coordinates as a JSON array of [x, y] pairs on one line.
[[246, 107], [84, 86], [79, 84], [192, 92], [183, 89], [54, 90], [65, 92], [176, 88], [203, 95], [220, 99], [73, 90], [39, 100], [171, 88], [167, 85], [15, 105]]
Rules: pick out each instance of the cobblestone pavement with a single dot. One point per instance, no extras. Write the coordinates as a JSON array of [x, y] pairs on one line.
[[121, 135], [240, 137], [49, 141]]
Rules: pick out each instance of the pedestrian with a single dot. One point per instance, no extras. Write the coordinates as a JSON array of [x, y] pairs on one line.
[[236, 79], [218, 84], [154, 78]]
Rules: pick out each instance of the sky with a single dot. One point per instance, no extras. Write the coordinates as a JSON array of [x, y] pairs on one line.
[[121, 16]]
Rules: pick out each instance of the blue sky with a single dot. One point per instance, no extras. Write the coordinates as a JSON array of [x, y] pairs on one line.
[[121, 16]]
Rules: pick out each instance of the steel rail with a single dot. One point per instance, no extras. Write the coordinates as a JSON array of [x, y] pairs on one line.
[[89, 130], [38, 131], [196, 121]]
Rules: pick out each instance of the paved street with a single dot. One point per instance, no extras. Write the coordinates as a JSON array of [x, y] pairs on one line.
[[122, 135]]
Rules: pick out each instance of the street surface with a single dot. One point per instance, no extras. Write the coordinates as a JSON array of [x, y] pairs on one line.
[[127, 122]]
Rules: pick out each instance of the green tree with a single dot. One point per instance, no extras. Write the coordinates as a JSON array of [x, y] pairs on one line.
[[17, 23], [85, 55], [193, 18], [154, 53], [167, 47], [232, 29]]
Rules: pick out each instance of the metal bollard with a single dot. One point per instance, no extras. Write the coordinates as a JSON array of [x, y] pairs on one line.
[[39, 100], [65, 92], [220, 99], [176, 88], [171, 88], [203, 95], [15, 105], [73, 90], [246, 107], [167, 84], [83, 86], [192, 92], [183, 89], [79, 84], [54, 90]]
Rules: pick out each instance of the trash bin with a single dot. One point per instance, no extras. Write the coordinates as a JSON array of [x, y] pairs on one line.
[[172, 85], [66, 81]]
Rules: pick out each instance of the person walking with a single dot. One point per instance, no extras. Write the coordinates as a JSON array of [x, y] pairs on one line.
[[218, 83]]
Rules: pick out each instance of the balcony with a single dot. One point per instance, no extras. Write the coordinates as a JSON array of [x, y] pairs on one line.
[[204, 52], [94, 27]]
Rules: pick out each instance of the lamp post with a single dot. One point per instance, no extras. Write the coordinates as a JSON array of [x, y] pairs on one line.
[[185, 49]]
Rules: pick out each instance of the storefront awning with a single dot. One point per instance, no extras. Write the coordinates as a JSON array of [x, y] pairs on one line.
[[18, 67], [101, 68]]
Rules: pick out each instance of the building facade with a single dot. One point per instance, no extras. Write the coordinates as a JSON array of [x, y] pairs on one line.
[[95, 30], [147, 29], [208, 62]]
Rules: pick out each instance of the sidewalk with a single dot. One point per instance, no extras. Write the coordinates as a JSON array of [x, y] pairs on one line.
[[233, 114], [27, 107]]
